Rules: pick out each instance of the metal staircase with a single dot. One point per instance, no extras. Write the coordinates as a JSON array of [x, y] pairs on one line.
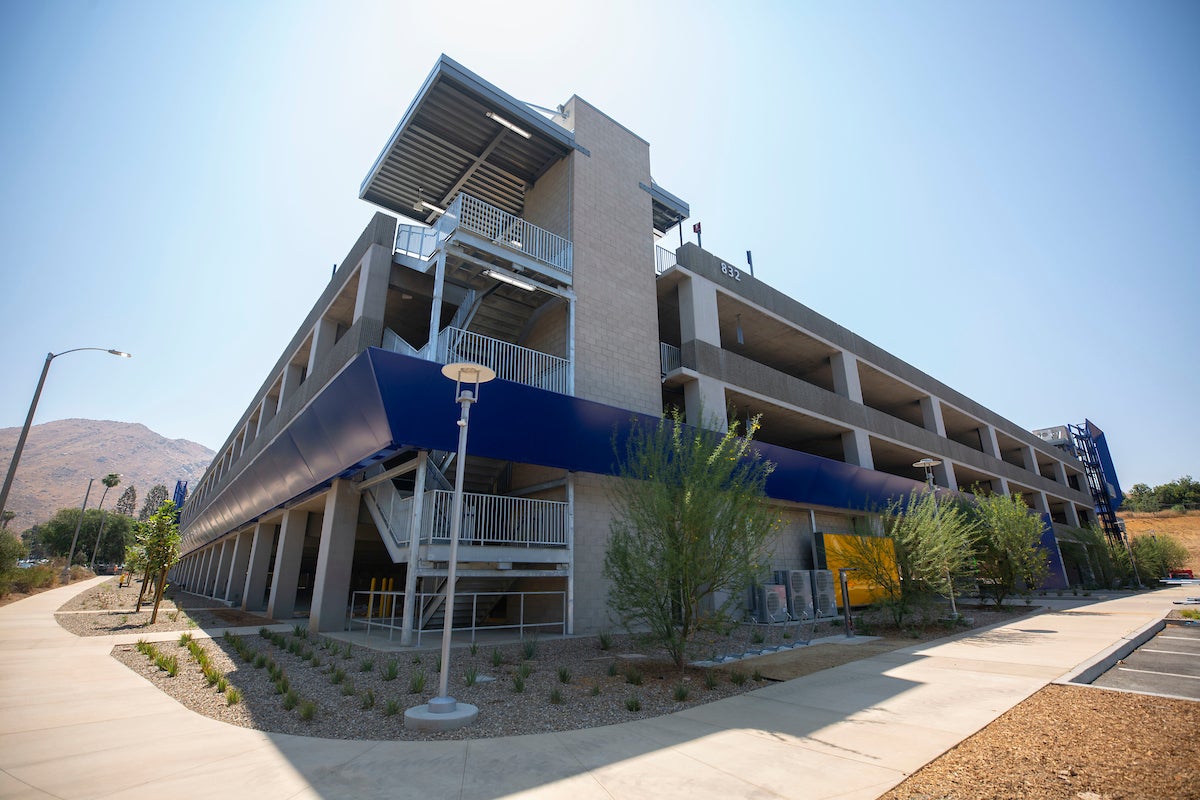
[[433, 609], [1085, 449]]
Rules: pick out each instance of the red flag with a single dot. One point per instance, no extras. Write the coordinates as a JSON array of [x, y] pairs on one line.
[[696, 228]]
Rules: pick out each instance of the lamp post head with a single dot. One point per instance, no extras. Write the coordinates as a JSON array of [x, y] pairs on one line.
[[120, 353]]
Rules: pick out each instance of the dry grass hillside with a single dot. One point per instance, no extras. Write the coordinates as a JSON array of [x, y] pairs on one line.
[[60, 456], [1185, 528]]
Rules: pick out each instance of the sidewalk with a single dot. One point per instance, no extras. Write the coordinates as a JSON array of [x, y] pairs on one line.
[[74, 723]]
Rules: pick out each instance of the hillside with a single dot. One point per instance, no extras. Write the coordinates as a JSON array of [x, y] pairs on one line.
[[1183, 527], [60, 456]]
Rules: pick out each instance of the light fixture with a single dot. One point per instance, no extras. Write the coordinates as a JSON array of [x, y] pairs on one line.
[[424, 205], [741, 339], [504, 277], [492, 115], [927, 463]]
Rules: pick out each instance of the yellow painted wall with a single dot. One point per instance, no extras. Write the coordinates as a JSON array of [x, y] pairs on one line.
[[862, 591]]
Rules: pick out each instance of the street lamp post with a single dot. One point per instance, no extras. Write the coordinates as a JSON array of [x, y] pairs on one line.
[[444, 712], [928, 464], [37, 394]]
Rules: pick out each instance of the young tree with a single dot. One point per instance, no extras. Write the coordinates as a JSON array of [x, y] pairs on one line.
[[1010, 546], [690, 521], [127, 504], [154, 500], [159, 540], [932, 538]]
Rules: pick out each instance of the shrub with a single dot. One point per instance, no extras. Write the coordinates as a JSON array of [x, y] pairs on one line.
[[290, 700], [612, 669], [416, 682], [758, 676], [634, 676], [518, 683], [337, 675], [308, 710], [497, 659], [564, 675], [472, 675], [633, 704], [605, 640], [737, 678], [390, 670], [391, 708], [366, 700], [474, 648], [529, 648], [184, 638], [680, 693], [347, 688], [525, 670], [168, 664], [710, 679], [757, 638], [595, 691], [366, 665], [232, 696], [300, 632], [556, 697], [260, 661]]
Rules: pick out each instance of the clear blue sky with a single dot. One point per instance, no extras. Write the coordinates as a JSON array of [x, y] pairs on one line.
[[1006, 195]]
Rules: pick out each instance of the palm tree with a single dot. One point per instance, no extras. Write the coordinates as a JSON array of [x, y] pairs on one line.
[[110, 480]]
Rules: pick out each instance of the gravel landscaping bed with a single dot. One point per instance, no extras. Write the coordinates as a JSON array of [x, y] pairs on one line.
[[109, 609]]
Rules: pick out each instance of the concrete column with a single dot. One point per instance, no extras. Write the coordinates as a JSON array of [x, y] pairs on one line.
[[262, 541], [374, 272], [698, 312], [323, 335], [1037, 501], [1029, 459], [282, 603], [267, 411], [206, 572], [943, 475], [414, 550], [223, 564], [331, 583], [1001, 485], [987, 440], [704, 403], [1060, 472], [1072, 514], [856, 446], [931, 416], [237, 566], [845, 376], [214, 567], [287, 387]]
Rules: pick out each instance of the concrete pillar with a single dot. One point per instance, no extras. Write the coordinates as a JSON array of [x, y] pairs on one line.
[[704, 403], [856, 446], [262, 542], [987, 440], [206, 571], [374, 272], [237, 566], [846, 381], [1029, 459], [224, 560], [1000, 485], [943, 475], [1037, 501], [931, 416], [323, 335], [1072, 514], [287, 387], [267, 411], [698, 312], [214, 565], [335, 558], [282, 603], [414, 550], [1060, 472]]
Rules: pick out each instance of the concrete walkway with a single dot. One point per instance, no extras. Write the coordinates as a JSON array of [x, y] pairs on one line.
[[75, 723]]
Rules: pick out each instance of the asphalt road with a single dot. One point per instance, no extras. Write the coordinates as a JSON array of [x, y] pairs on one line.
[[1167, 664]]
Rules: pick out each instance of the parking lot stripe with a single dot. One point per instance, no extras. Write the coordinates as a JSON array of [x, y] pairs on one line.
[[1154, 672]]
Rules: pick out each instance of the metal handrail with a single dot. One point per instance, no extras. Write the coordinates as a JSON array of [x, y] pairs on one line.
[[494, 224], [392, 604], [669, 358], [492, 519], [511, 362], [664, 259]]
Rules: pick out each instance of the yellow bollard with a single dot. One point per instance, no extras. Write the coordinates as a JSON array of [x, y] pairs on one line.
[[371, 601]]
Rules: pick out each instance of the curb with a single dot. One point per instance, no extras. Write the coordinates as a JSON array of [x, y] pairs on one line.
[[1103, 661]]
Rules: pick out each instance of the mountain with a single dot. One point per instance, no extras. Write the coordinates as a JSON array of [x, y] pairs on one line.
[[60, 456]]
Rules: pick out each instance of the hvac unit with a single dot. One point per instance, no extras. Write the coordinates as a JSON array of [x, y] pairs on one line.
[[824, 593], [798, 583], [770, 603]]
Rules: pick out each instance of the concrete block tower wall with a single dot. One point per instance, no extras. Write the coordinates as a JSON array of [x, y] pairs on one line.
[[616, 323]]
